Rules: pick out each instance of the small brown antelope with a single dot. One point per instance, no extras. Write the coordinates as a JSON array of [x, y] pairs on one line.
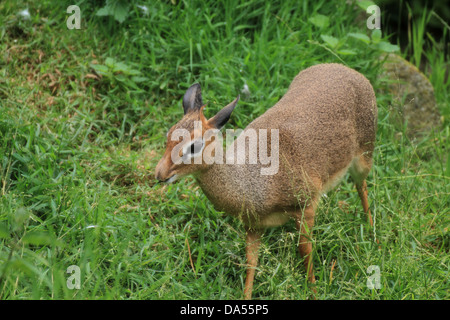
[[326, 124]]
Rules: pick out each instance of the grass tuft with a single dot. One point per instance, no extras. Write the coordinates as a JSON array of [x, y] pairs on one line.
[[83, 117]]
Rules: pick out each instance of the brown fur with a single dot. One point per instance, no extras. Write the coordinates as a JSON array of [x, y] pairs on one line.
[[327, 124]]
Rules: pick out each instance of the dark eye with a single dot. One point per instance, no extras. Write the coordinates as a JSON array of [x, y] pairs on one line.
[[193, 149], [196, 147]]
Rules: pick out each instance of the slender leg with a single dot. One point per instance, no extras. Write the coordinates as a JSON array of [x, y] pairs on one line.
[[253, 242], [305, 223], [362, 192], [359, 172]]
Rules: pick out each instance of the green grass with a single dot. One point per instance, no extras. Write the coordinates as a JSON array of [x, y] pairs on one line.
[[78, 152]]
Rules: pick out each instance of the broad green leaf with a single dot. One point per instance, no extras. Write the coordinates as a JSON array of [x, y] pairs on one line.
[[387, 47], [330, 40], [118, 9], [105, 11], [121, 11], [131, 72], [139, 79], [360, 36], [100, 69], [346, 52], [376, 36], [121, 67], [110, 62], [121, 78], [364, 4], [320, 21]]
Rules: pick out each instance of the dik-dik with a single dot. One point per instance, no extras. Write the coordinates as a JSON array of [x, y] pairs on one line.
[[324, 127]]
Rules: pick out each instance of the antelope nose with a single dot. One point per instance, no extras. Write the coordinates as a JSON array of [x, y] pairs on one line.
[[159, 172]]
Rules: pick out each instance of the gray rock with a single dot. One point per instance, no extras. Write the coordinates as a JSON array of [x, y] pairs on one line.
[[413, 97]]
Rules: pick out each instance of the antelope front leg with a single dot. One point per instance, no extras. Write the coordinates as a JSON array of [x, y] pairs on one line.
[[253, 242], [305, 223], [362, 192]]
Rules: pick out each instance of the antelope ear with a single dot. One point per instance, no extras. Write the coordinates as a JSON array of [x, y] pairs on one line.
[[222, 117], [192, 99]]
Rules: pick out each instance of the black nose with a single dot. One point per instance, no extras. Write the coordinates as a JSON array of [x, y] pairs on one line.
[[158, 179]]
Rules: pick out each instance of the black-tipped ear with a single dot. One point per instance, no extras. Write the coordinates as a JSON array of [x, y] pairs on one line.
[[222, 117], [192, 100]]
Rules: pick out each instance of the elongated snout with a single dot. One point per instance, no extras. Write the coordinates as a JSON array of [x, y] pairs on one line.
[[163, 171]]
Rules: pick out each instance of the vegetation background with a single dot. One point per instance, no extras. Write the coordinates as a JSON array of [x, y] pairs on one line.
[[83, 117]]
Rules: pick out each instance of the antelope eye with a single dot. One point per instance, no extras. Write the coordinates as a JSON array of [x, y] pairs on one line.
[[196, 147]]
